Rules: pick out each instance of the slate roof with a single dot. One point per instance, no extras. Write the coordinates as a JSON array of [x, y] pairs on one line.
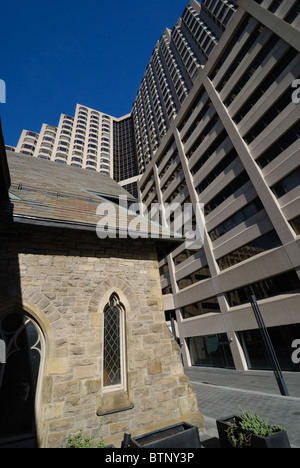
[[4, 172], [47, 193]]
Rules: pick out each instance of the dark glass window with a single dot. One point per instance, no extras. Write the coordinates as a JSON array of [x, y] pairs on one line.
[[164, 269], [284, 142], [264, 122], [287, 184], [245, 213], [132, 189], [275, 5], [182, 257], [112, 367], [282, 339], [244, 51], [262, 244], [287, 282], [251, 70], [266, 84], [206, 131], [226, 161], [210, 351], [234, 185], [296, 224], [236, 38], [167, 290], [19, 376], [199, 275], [293, 14], [208, 153], [194, 105], [197, 121], [168, 164], [201, 308], [124, 151]]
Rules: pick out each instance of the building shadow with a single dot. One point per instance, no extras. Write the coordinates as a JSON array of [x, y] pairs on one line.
[[19, 365]]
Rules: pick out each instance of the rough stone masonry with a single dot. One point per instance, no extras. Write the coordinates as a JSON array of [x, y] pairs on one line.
[[61, 279]]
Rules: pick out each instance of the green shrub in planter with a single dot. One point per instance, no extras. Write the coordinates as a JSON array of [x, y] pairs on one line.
[[250, 431], [78, 441]]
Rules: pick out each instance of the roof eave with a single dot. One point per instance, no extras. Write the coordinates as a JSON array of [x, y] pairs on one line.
[[5, 180]]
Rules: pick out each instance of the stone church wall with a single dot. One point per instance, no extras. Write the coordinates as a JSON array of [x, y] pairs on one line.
[[63, 280]]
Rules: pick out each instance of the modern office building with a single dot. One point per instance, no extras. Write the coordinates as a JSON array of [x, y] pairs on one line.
[[173, 70], [233, 145], [89, 140], [214, 122]]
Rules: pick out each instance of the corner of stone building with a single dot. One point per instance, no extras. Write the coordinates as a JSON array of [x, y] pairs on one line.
[[66, 298]]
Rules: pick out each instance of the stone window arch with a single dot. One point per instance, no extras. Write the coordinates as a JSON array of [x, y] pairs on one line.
[[114, 345], [20, 377]]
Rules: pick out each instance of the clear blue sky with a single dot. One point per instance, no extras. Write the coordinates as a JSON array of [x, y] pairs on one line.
[[60, 53]]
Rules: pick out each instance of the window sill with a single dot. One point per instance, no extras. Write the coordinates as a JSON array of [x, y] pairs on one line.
[[114, 402]]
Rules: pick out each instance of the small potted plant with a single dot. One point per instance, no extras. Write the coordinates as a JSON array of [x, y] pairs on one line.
[[79, 441], [249, 430]]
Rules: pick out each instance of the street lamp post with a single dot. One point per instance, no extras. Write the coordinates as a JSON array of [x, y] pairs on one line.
[[269, 346]]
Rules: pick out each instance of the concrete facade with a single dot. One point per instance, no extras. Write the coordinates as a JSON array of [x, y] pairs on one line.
[[204, 155]]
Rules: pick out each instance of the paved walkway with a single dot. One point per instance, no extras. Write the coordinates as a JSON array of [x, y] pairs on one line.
[[222, 392]]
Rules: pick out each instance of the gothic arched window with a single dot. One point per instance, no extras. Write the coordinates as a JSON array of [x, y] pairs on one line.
[[114, 374], [19, 376]]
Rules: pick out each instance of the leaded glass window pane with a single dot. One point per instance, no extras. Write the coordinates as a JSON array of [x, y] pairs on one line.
[[112, 368]]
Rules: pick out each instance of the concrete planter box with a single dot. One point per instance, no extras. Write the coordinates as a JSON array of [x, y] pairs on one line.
[[182, 435], [276, 440]]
